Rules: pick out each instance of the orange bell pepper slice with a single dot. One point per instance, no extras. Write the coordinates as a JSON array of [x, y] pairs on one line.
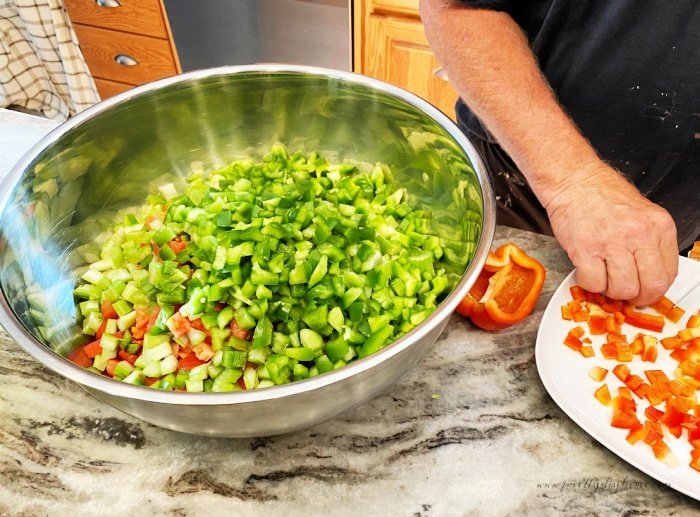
[[642, 320], [506, 290]]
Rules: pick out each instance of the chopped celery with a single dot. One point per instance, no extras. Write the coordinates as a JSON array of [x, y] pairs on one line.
[[123, 369]]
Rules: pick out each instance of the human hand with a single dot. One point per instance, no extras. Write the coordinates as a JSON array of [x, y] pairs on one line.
[[622, 244]]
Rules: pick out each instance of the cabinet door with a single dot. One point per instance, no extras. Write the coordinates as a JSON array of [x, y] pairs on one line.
[[398, 52], [409, 7]]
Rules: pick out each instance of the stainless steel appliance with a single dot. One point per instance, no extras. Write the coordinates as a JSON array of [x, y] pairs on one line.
[[212, 33], [66, 190]]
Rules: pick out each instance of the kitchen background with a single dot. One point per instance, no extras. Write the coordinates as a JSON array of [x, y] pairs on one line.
[[130, 42], [218, 32]]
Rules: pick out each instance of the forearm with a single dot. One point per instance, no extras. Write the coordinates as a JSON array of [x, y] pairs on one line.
[[493, 69], [632, 254]]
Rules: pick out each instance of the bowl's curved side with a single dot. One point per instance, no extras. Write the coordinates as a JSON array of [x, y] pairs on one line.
[[275, 416], [47, 225]]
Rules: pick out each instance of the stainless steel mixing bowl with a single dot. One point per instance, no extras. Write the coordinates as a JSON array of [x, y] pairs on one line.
[[64, 193]]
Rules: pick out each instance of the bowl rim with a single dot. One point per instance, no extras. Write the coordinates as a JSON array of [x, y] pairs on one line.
[[66, 368]]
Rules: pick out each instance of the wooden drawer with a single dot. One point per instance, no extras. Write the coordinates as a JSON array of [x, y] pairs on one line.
[[136, 16], [101, 48], [109, 89]]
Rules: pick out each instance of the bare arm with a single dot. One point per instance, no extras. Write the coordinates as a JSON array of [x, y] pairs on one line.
[[620, 242]]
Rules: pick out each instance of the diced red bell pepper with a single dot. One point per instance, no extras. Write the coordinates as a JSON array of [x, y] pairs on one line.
[[637, 346], [92, 349], [619, 317], [79, 357], [126, 356], [573, 342], [138, 330], [612, 306], [657, 394], [153, 317], [621, 371], [667, 308], [633, 382], [676, 387], [177, 245], [650, 351], [675, 314], [108, 311], [189, 362], [198, 325], [679, 354], [101, 329], [580, 316], [579, 293], [611, 325], [616, 338], [663, 453], [587, 351], [636, 434], [624, 352], [654, 432], [625, 392], [693, 321], [596, 325], [598, 374], [663, 305], [238, 331], [624, 413], [642, 389], [653, 413], [602, 394], [671, 343], [672, 417], [178, 324], [111, 365], [689, 333], [609, 350], [695, 459], [566, 313]]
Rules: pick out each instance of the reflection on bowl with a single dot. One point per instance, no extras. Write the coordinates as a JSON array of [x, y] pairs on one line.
[[60, 198]]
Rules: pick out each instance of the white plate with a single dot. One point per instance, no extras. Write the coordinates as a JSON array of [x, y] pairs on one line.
[[564, 374]]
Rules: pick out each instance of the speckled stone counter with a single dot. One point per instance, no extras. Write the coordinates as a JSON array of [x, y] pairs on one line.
[[469, 431]]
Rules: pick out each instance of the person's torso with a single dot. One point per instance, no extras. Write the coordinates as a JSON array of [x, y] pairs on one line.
[[628, 74]]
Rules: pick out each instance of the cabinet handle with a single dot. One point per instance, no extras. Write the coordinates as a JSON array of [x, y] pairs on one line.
[[441, 74], [125, 60], [108, 3]]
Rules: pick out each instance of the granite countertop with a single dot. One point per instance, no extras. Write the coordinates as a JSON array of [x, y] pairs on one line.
[[469, 431]]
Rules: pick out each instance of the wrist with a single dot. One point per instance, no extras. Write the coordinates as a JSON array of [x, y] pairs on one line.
[[561, 179], [588, 186], [557, 161]]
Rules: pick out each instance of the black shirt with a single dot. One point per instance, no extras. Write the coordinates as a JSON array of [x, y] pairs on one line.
[[628, 74]]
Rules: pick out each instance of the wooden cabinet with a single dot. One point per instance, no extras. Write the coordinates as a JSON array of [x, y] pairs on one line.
[[390, 44], [125, 42]]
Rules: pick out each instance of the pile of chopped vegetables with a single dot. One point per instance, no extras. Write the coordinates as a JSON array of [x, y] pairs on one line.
[[673, 406], [260, 274]]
